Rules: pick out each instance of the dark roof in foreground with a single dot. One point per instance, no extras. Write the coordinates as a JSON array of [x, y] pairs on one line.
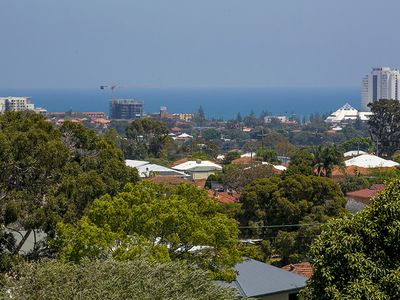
[[256, 279]]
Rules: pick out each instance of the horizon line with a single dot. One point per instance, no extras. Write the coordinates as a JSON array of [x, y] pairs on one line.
[[149, 87]]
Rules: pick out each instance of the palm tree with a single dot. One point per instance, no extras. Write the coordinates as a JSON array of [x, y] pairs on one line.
[[325, 158]]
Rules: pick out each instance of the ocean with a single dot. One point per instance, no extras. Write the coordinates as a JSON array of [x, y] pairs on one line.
[[222, 103]]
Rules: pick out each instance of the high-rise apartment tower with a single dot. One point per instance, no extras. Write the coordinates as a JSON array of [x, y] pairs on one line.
[[381, 83], [127, 109]]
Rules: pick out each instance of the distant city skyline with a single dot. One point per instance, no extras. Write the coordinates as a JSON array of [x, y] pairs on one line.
[[183, 43], [380, 83]]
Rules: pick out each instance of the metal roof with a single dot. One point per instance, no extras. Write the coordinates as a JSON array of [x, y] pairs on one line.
[[147, 169], [135, 163], [370, 161], [255, 278], [198, 166]]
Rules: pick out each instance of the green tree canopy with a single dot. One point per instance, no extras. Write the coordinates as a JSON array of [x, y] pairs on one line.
[[301, 162], [358, 143], [326, 157], [146, 137], [357, 257], [384, 125], [236, 177], [352, 183], [396, 156], [167, 222], [231, 155], [111, 279], [267, 154], [51, 174], [290, 200], [250, 120], [211, 134], [199, 117], [275, 200]]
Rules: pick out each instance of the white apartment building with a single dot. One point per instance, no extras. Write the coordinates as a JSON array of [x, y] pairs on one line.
[[381, 83], [3, 102], [18, 104]]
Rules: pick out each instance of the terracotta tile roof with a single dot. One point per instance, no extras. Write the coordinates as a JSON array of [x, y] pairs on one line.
[[330, 131], [201, 183], [303, 269], [243, 161], [366, 194], [224, 197], [351, 170], [74, 120], [176, 129], [101, 120]]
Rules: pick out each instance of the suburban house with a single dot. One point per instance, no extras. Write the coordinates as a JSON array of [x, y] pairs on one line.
[[198, 169], [224, 197], [304, 269], [357, 200], [183, 137], [370, 161], [146, 169], [259, 280], [360, 164]]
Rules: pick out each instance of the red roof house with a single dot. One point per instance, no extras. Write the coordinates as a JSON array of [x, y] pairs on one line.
[[365, 195]]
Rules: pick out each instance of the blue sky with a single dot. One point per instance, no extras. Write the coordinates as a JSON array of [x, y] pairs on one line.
[[185, 43]]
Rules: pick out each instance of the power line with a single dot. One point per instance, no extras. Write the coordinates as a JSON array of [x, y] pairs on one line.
[[279, 226]]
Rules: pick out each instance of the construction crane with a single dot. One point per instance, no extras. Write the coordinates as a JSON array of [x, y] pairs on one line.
[[112, 88]]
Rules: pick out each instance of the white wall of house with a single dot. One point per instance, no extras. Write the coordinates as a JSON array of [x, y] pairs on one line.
[[201, 175]]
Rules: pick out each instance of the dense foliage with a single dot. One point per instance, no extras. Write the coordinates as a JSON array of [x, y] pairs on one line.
[[268, 155], [51, 174], [231, 155], [353, 183], [296, 199], [110, 279], [159, 222], [384, 125], [236, 177], [357, 257], [319, 160], [358, 143], [146, 137], [326, 157]]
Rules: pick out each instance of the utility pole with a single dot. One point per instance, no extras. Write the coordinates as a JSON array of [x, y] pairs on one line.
[[262, 135]]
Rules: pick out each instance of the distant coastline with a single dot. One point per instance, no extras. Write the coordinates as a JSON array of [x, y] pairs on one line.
[[222, 103]]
